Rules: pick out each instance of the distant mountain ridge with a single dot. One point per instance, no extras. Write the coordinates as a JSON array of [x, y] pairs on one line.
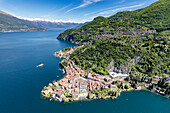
[[55, 25], [1, 12], [9, 23]]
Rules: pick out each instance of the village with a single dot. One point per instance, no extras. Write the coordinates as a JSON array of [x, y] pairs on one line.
[[78, 84]]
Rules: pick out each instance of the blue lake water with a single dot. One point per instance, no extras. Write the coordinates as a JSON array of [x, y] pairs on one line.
[[21, 83]]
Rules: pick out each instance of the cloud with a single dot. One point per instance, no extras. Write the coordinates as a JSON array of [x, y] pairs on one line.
[[105, 9], [65, 7], [112, 11], [47, 20], [122, 1], [100, 10], [85, 3], [55, 11]]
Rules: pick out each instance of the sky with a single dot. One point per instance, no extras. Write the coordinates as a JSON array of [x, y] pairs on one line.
[[69, 10]]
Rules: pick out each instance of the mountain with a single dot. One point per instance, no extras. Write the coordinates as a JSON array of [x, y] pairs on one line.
[[9, 23], [131, 42], [54, 25], [81, 25], [154, 17]]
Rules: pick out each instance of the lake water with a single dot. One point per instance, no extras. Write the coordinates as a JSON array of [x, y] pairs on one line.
[[21, 83]]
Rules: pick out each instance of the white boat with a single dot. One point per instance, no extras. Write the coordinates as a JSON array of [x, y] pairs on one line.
[[40, 65]]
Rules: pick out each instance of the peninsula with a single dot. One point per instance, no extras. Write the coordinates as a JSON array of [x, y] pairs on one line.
[[127, 51], [78, 84]]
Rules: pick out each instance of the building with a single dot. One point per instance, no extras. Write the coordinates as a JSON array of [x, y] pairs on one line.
[[83, 86], [54, 94], [59, 94], [154, 82], [113, 87], [113, 74], [156, 77], [48, 90], [138, 87], [55, 83], [83, 95], [88, 75]]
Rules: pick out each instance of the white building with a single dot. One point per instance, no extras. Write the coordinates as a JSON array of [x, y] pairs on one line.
[[83, 95], [113, 74]]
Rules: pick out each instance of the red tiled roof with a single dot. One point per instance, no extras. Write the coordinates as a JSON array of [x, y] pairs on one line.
[[54, 92], [60, 93], [55, 83], [106, 83], [48, 88]]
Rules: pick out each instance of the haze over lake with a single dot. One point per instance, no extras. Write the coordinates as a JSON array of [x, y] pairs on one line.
[[21, 83]]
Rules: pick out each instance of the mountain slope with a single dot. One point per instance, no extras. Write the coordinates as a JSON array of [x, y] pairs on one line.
[[133, 42], [9, 23], [154, 17], [54, 25]]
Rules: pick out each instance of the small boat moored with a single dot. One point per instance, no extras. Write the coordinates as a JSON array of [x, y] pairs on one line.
[[40, 65]]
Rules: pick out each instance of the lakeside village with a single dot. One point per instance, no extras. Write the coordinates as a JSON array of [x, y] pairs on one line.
[[79, 85]]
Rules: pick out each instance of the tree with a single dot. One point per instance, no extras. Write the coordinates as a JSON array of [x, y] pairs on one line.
[[127, 86], [89, 95]]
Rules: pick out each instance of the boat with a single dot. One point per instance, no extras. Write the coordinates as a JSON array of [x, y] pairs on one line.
[[40, 65]]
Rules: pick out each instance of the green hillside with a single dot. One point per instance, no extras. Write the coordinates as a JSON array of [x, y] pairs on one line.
[[154, 17], [133, 42], [9, 23]]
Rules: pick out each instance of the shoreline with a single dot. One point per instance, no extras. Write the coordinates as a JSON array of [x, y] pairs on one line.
[[21, 31], [89, 100], [13, 31], [77, 85]]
